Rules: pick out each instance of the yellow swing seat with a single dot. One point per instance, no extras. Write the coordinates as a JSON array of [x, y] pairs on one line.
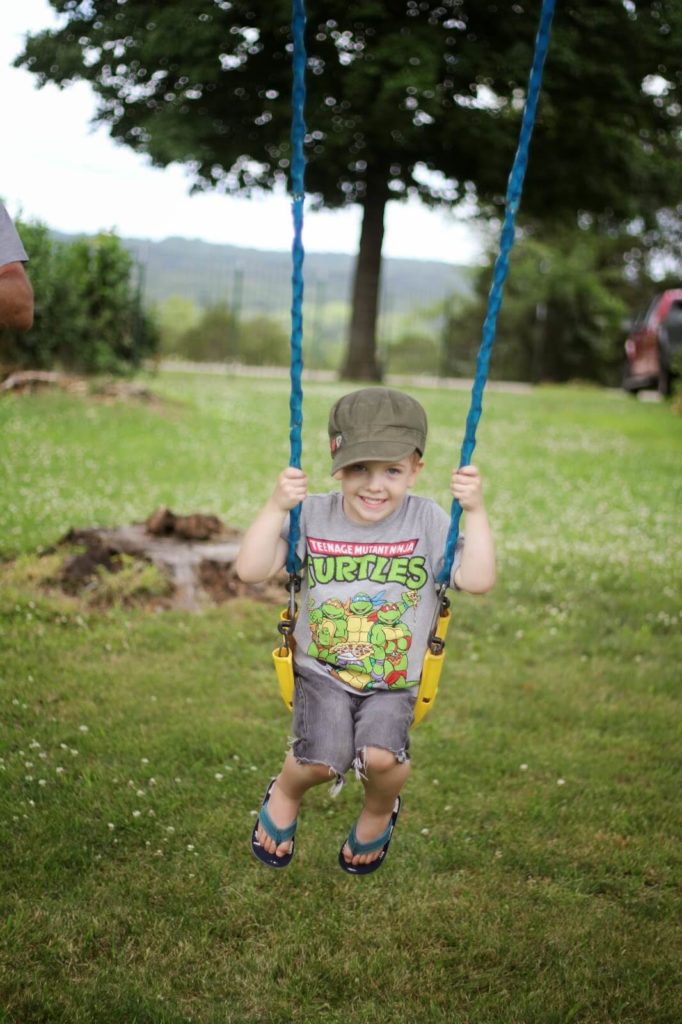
[[283, 658], [432, 667]]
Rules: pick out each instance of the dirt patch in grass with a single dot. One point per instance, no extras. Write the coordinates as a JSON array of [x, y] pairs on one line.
[[168, 561]]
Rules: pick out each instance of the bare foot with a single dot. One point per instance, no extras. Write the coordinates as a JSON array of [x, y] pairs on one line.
[[368, 827], [283, 811]]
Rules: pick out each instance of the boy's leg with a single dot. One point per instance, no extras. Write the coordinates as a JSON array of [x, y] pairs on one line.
[[322, 751], [382, 729], [285, 798], [384, 777]]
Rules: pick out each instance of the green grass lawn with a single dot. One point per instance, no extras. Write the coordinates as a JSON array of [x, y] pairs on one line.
[[535, 874]]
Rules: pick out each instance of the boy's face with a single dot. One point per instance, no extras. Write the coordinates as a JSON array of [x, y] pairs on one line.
[[373, 490]]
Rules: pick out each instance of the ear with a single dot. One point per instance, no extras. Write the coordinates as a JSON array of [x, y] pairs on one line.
[[417, 467]]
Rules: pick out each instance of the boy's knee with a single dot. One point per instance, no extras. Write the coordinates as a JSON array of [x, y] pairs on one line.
[[377, 759]]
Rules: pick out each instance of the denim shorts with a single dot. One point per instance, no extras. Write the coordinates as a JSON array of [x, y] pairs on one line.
[[334, 727]]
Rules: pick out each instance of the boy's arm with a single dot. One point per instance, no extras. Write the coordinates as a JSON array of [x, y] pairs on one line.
[[263, 551], [476, 570]]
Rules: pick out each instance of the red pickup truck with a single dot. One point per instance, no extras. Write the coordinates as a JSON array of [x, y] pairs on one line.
[[654, 345]]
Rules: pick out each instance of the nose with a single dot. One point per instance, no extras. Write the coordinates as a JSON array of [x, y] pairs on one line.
[[375, 482]]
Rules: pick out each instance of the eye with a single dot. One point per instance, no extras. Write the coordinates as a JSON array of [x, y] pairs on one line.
[[359, 467], [395, 470]]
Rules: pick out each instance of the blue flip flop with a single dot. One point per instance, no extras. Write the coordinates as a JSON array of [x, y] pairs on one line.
[[278, 835], [382, 843]]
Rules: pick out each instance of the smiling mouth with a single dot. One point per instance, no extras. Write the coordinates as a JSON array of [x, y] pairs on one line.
[[373, 502]]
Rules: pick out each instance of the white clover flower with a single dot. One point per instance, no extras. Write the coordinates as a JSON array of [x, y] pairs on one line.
[[140, 792], [73, 752], [111, 826], [64, 746], [170, 828], [28, 764], [152, 782], [190, 846], [218, 776], [34, 745], [561, 782], [523, 767], [83, 728], [59, 770], [425, 831], [136, 814], [42, 782], [145, 760]]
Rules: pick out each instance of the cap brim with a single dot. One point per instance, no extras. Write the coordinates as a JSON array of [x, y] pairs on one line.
[[377, 451]]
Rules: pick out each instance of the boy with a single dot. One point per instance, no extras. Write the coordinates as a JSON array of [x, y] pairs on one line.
[[371, 554]]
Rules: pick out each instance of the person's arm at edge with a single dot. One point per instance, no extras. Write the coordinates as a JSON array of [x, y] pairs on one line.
[[16, 297], [263, 551], [476, 571]]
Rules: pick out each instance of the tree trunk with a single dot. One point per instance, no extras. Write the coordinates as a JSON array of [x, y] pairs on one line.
[[361, 361]]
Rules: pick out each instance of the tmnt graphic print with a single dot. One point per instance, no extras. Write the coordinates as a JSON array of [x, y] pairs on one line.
[[364, 639]]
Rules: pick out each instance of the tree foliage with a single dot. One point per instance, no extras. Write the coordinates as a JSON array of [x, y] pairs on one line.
[[397, 91], [566, 301], [217, 335], [88, 311]]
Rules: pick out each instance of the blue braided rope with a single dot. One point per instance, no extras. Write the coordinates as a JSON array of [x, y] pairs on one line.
[[298, 131], [513, 199]]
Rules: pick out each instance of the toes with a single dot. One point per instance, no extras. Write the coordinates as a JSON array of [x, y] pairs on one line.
[[364, 858], [270, 846]]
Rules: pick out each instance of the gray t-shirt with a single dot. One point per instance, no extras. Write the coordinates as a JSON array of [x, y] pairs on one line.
[[11, 249], [368, 596]]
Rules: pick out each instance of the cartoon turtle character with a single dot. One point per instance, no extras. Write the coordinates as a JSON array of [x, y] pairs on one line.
[[328, 627], [358, 618], [391, 639]]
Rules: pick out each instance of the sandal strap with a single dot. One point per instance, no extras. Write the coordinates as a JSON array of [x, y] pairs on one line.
[[278, 835], [357, 848]]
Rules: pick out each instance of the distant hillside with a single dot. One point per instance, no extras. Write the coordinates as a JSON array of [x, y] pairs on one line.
[[259, 282]]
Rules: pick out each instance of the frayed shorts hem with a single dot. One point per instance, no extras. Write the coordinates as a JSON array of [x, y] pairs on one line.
[[335, 728]]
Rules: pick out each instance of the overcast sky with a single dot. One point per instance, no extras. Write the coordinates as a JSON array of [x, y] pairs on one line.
[[58, 169]]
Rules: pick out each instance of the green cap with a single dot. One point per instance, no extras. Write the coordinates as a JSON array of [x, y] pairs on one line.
[[375, 425]]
